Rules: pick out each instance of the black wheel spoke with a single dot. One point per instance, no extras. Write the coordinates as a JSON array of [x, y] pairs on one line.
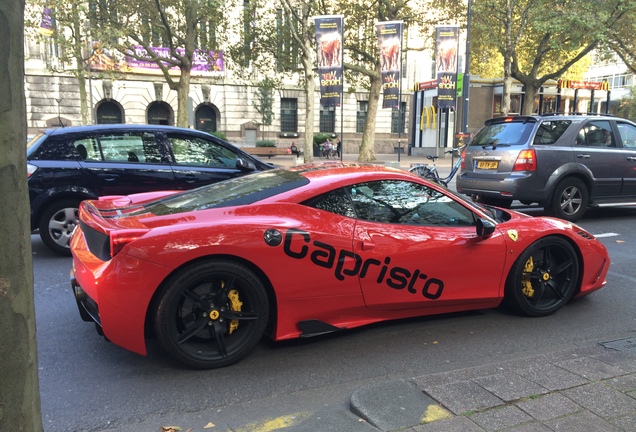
[[562, 267], [535, 275], [555, 288], [239, 315], [196, 299], [219, 336], [228, 285], [547, 257], [192, 330]]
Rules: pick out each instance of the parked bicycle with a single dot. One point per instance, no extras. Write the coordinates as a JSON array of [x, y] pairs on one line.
[[432, 173]]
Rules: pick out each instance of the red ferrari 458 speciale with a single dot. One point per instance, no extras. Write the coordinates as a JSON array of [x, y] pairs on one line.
[[309, 250]]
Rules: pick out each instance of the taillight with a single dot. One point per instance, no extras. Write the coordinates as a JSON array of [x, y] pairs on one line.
[[526, 161], [463, 164], [120, 238]]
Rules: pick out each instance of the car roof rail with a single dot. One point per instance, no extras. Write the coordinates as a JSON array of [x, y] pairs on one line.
[[576, 113]]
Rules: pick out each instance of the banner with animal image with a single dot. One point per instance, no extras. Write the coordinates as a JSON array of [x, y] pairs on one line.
[[390, 44], [446, 61], [329, 31]]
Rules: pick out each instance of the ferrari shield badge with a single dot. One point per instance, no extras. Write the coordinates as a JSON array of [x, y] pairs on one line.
[[513, 235]]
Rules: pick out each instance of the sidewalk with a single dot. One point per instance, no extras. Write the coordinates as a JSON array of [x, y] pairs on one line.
[[584, 389], [404, 161]]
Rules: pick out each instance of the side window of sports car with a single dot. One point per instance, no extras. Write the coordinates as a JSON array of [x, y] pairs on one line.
[[336, 201], [403, 202]]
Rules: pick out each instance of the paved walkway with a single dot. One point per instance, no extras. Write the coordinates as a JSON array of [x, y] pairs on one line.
[[404, 161], [586, 389]]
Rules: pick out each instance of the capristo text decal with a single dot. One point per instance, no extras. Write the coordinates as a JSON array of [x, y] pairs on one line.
[[297, 244]]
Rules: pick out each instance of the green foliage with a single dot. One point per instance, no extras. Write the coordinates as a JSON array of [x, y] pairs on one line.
[[265, 143], [219, 135], [537, 40], [627, 107], [320, 138], [265, 100]]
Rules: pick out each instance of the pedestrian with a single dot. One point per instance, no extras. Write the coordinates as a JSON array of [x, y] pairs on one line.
[[338, 148], [327, 148]]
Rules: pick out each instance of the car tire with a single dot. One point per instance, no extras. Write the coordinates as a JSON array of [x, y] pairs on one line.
[[57, 224], [544, 278], [570, 200], [211, 314]]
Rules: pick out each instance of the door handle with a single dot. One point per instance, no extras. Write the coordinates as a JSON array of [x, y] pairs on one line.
[[631, 158], [108, 177], [583, 156]]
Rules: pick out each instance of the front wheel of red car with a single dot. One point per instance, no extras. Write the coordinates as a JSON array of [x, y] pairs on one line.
[[211, 314], [543, 278]]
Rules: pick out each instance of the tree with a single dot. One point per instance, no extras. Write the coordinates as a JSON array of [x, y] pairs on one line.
[[264, 102], [72, 40], [138, 28], [19, 399], [540, 40], [361, 46], [627, 106]]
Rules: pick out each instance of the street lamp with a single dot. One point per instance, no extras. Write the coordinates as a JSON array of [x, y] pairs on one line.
[[466, 81]]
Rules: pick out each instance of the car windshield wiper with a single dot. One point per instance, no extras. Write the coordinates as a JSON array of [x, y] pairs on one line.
[[494, 145]]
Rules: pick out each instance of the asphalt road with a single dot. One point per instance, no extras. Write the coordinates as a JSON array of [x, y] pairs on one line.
[[88, 384]]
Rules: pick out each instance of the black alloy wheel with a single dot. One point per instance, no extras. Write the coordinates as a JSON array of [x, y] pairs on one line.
[[544, 277], [211, 314]]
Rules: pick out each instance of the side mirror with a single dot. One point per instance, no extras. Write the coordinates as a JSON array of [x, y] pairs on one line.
[[485, 227], [244, 165]]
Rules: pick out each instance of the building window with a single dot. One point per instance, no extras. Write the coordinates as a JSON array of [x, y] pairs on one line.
[[288, 115], [328, 119], [515, 104], [361, 115], [398, 119]]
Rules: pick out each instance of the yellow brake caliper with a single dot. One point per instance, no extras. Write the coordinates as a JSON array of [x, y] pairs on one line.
[[235, 305], [527, 289]]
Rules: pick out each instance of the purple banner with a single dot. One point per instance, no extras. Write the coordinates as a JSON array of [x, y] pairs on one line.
[[329, 30], [201, 61], [390, 44], [46, 25], [446, 61]]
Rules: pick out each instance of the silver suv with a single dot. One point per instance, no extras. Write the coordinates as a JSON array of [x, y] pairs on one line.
[[565, 163]]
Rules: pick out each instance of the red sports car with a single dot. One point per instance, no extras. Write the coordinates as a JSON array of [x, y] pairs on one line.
[[309, 250]]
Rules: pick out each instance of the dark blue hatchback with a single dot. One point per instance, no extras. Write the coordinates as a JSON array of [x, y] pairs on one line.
[[69, 165]]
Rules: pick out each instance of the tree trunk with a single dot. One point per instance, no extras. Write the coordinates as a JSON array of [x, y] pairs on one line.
[[79, 60], [367, 147], [183, 93], [310, 89], [528, 100], [507, 85], [19, 398]]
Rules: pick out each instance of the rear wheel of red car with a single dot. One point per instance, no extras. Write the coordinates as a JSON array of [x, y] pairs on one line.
[[57, 224], [211, 314], [543, 278], [570, 199]]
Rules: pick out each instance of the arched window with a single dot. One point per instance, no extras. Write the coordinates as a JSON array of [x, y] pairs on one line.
[[160, 113], [109, 112], [205, 118]]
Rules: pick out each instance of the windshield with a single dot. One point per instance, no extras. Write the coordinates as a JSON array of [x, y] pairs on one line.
[[508, 133], [238, 191]]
